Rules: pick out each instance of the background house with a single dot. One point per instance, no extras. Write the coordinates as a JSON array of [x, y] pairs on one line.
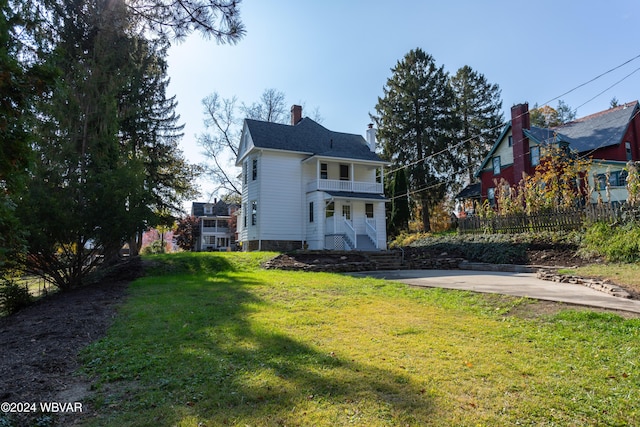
[[217, 225], [306, 186], [610, 138]]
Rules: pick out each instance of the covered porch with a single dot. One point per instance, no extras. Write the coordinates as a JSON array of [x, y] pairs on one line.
[[354, 221]]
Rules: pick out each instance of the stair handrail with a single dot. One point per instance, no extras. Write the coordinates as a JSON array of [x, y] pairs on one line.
[[349, 228], [371, 230]]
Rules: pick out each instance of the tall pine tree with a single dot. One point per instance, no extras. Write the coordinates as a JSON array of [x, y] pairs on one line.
[[478, 107], [415, 125], [400, 213]]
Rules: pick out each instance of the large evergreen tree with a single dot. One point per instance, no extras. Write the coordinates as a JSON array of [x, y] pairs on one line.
[[22, 79], [478, 108], [101, 153], [107, 163], [415, 125], [75, 207], [149, 133], [400, 213]]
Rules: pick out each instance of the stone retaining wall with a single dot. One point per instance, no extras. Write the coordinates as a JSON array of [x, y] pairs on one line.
[[597, 284]]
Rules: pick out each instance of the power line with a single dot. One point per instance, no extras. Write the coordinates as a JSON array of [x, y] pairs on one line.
[[508, 121]]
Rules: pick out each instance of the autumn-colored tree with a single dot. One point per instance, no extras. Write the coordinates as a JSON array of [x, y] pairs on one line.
[[558, 182], [187, 232], [547, 116], [633, 183]]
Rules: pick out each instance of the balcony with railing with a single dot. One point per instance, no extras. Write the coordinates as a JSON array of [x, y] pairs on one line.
[[341, 185]]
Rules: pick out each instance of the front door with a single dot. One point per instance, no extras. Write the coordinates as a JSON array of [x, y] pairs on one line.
[[346, 212]]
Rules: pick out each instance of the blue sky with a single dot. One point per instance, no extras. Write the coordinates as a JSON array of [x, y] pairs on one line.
[[337, 55]]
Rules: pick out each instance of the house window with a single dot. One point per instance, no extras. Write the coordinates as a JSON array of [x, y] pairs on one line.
[[323, 171], [496, 165], [254, 212], [627, 147], [310, 211], [344, 172], [245, 172], [368, 210], [535, 156], [209, 223], [244, 215], [616, 179], [346, 212], [208, 209], [329, 210], [510, 141], [254, 169], [491, 196]]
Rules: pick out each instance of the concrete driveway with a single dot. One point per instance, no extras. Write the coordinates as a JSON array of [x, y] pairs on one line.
[[517, 284]]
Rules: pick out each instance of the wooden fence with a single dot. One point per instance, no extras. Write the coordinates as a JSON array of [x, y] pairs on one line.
[[558, 220]]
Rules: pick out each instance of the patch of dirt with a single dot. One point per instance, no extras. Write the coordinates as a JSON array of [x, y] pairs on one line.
[[557, 256], [40, 344], [317, 260], [535, 309]]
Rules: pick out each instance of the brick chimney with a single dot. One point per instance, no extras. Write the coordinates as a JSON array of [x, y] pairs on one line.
[[519, 122], [296, 114]]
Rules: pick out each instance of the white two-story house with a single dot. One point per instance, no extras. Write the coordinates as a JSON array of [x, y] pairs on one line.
[[216, 226], [304, 186]]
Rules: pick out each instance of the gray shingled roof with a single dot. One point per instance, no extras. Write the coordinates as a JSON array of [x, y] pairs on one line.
[[220, 208], [311, 138], [591, 132], [471, 191]]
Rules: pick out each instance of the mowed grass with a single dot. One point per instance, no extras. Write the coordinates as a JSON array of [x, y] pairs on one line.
[[212, 340]]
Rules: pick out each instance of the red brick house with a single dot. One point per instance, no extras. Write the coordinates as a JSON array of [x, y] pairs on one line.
[[611, 138]]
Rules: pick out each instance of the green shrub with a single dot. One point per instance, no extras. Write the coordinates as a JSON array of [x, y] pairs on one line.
[[493, 248], [617, 243], [154, 248], [14, 297]]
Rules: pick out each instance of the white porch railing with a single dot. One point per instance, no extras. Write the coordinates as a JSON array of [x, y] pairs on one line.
[[351, 186], [350, 234], [370, 225], [215, 229]]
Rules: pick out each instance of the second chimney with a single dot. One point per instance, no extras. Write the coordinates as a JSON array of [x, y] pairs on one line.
[[519, 122], [371, 137], [296, 114]]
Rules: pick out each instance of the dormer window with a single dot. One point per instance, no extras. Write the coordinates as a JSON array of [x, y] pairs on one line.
[[208, 209], [496, 165]]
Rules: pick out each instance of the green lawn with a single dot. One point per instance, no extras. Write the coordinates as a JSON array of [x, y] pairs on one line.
[[211, 340]]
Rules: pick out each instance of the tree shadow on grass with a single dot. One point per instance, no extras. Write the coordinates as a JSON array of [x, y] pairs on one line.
[[197, 354]]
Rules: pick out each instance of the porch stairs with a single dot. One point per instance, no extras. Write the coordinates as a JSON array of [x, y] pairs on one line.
[[365, 243], [387, 260]]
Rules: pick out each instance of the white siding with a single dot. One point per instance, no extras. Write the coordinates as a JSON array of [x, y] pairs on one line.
[[381, 224], [616, 194], [315, 230], [504, 151], [280, 203]]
